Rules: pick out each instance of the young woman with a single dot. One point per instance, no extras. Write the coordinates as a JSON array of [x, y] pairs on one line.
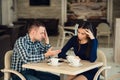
[[85, 47]]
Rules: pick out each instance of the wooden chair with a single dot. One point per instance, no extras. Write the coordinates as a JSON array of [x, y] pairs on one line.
[[113, 77], [63, 35], [103, 70], [103, 29], [100, 72], [7, 70]]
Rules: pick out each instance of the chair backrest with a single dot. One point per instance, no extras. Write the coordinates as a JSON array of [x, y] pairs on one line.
[[102, 58], [61, 35], [7, 63], [61, 30], [103, 29], [76, 28]]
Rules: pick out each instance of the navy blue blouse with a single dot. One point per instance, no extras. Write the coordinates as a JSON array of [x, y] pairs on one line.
[[83, 47]]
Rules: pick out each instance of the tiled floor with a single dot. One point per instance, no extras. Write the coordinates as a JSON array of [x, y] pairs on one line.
[[102, 46]]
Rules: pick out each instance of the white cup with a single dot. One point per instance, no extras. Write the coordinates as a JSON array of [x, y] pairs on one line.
[[70, 58], [54, 61], [75, 62]]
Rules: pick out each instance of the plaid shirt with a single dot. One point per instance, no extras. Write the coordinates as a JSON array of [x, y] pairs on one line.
[[26, 51]]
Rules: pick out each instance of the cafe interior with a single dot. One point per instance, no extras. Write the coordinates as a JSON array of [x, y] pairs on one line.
[[61, 19]]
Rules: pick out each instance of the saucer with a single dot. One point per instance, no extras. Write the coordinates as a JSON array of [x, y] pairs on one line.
[[54, 65], [76, 65]]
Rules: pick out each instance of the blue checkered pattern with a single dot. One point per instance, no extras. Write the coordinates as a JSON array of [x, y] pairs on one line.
[[26, 51]]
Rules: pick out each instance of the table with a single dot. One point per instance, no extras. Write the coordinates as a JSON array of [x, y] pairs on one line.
[[2, 31], [63, 68]]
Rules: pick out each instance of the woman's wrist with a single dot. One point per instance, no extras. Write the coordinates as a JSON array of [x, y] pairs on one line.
[[92, 37]]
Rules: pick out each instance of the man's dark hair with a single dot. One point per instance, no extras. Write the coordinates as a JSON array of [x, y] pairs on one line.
[[34, 23]]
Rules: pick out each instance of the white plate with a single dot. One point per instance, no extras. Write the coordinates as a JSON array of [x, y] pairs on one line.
[[76, 65], [54, 65]]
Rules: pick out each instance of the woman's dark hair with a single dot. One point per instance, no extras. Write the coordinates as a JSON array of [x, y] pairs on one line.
[[34, 23], [86, 25]]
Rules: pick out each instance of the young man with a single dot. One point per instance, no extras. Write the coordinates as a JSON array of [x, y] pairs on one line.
[[30, 49]]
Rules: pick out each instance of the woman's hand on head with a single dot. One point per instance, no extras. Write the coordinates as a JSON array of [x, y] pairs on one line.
[[89, 33]]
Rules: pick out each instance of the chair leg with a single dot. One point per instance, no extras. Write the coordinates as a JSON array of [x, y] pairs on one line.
[[58, 42], [105, 77], [108, 41]]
